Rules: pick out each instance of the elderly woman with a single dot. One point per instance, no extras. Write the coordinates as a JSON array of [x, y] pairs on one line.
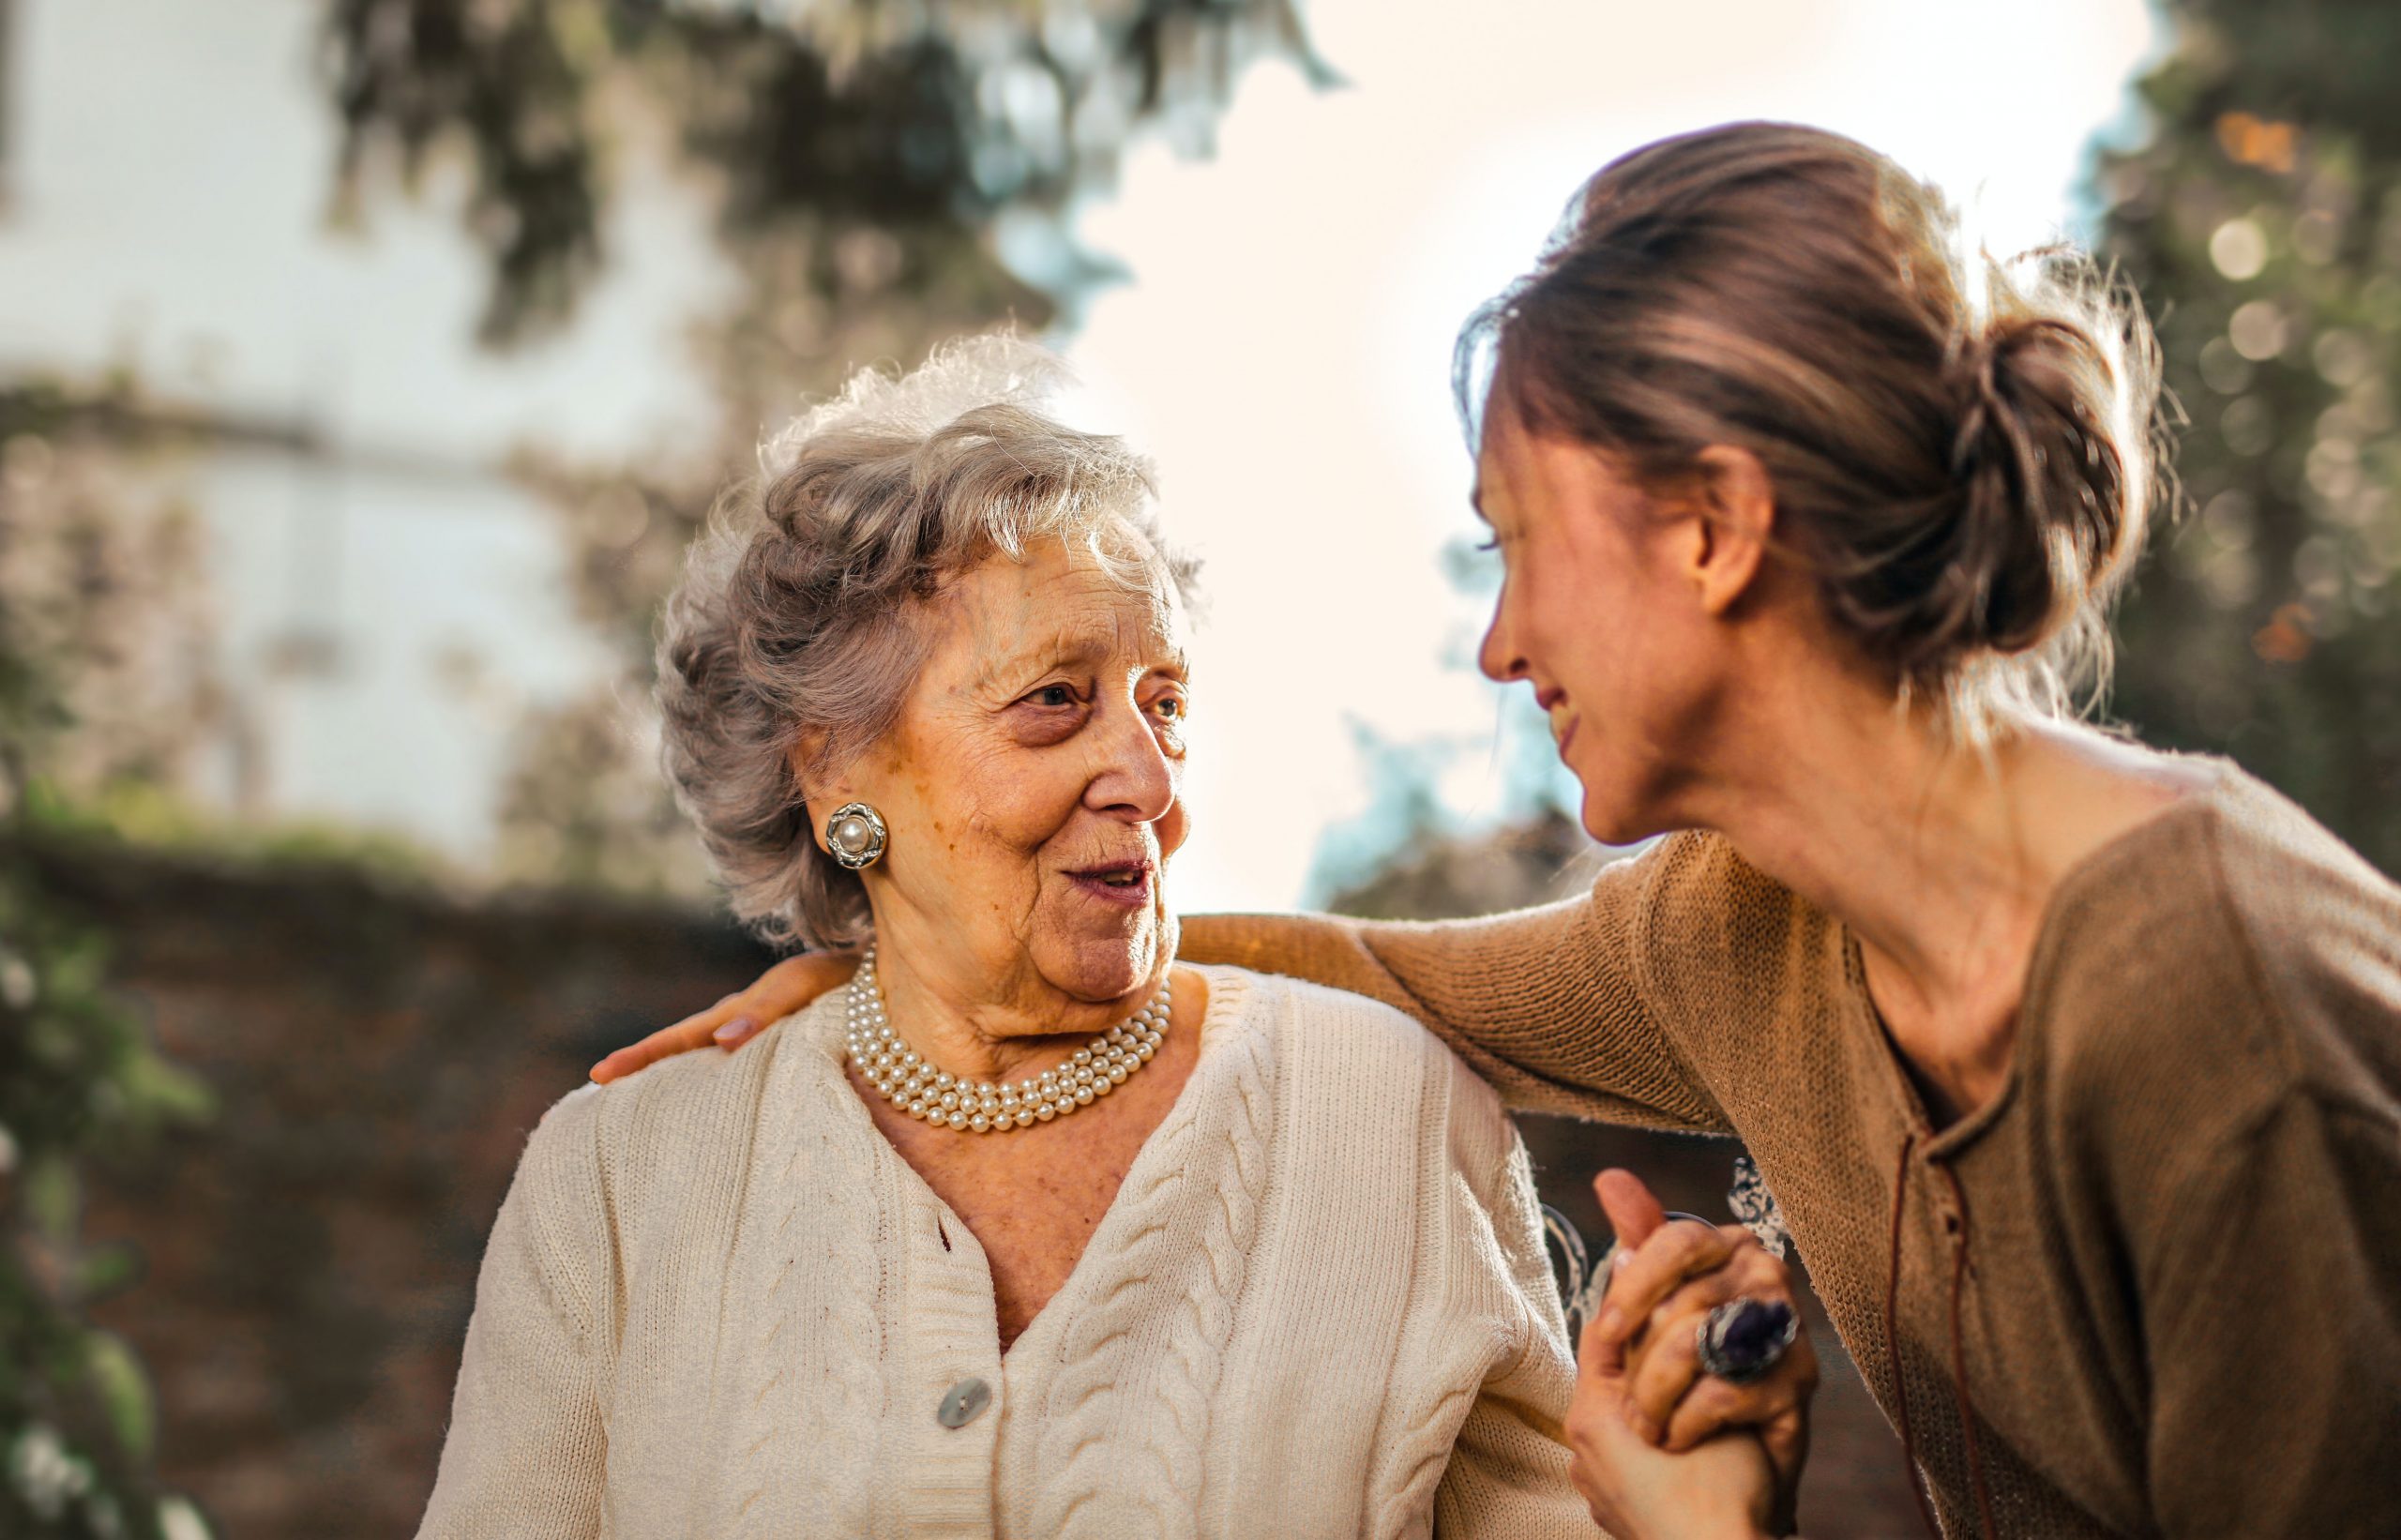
[[1027, 1231]]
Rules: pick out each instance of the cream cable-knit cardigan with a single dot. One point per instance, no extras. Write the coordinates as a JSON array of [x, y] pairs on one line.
[[717, 1302]]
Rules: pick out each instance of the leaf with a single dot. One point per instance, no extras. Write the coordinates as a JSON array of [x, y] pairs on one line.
[[52, 1197], [123, 1391], [105, 1270], [157, 1088]]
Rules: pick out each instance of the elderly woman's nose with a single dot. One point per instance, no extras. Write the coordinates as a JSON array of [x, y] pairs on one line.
[[1133, 774]]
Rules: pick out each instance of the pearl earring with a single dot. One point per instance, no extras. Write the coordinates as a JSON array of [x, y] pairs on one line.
[[854, 832]]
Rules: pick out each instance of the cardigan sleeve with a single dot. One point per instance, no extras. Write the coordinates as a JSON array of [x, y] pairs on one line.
[[1508, 1476], [1548, 1004], [526, 1451]]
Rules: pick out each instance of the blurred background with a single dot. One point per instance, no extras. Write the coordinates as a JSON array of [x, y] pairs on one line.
[[365, 366]]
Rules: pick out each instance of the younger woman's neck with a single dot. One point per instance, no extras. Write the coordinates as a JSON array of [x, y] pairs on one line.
[[1940, 857]]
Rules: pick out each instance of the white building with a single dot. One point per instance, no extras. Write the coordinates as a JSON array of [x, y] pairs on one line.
[[167, 170]]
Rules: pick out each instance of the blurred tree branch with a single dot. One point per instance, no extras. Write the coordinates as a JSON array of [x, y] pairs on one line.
[[2262, 223], [828, 117]]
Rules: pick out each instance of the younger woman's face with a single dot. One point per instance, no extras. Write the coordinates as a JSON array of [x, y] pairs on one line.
[[1597, 613]]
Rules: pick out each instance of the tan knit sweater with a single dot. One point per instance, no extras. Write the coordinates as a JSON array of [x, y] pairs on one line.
[[717, 1304], [2154, 1288]]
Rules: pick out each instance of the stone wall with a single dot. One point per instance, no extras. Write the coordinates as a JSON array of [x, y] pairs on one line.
[[380, 1054]]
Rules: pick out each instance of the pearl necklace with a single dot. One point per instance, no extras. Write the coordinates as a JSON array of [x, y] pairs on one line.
[[902, 1077]]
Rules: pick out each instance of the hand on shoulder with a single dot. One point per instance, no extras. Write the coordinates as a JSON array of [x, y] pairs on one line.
[[788, 986]]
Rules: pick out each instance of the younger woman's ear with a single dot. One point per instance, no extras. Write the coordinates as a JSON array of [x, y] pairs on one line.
[[1736, 527]]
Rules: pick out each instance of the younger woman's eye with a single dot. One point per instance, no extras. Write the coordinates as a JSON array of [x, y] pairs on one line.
[[1492, 544]]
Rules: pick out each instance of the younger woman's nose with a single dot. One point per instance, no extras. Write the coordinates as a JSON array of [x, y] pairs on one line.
[[1498, 656]]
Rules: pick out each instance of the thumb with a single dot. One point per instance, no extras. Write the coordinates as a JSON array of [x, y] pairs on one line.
[[1633, 1212]]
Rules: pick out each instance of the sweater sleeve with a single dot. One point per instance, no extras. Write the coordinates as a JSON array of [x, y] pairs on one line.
[[2282, 1267], [1508, 1472], [1548, 1004], [1508, 1476], [526, 1451]]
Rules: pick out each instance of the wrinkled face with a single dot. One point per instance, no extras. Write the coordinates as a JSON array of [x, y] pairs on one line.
[[1594, 614], [1032, 785]]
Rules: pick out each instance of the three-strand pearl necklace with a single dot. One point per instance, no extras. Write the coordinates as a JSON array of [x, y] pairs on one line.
[[902, 1077]]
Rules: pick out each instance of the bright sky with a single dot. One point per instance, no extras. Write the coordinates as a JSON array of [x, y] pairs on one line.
[[1284, 349]]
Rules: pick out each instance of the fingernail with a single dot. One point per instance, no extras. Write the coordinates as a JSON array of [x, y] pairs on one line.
[[1609, 1322], [734, 1031], [594, 1073]]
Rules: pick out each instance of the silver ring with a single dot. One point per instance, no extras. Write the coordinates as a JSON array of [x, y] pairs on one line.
[[1745, 1338], [1618, 1253], [1588, 1280]]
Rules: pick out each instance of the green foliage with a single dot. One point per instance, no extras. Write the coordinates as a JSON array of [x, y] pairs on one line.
[[927, 123], [128, 810], [78, 1077], [2262, 223]]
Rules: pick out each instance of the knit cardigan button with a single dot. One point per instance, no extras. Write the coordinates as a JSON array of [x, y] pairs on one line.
[[965, 1403]]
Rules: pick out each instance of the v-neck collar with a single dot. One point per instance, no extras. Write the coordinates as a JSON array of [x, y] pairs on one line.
[[2053, 939], [1224, 1019]]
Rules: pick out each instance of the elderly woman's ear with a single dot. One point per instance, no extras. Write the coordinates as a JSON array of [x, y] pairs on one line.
[[851, 831], [820, 792]]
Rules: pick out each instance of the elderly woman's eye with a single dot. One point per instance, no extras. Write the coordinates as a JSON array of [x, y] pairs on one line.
[[1053, 695], [1170, 707]]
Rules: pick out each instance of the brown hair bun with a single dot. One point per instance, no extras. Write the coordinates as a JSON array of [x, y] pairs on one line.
[[1961, 447]]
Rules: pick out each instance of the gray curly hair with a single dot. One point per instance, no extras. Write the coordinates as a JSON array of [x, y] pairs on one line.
[[802, 615]]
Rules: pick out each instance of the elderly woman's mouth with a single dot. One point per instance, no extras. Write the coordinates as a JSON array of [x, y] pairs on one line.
[[1122, 882]]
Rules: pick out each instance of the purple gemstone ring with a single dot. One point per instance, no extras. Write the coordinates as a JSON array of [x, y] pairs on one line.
[[1743, 1338]]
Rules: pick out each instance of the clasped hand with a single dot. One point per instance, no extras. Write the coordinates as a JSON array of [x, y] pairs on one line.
[[1663, 1450]]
